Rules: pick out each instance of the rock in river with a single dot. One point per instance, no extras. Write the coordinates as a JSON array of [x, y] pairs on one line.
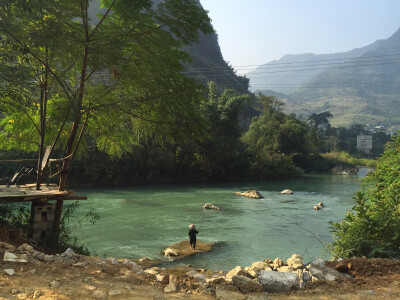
[[183, 249], [287, 192], [250, 194], [211, 206]]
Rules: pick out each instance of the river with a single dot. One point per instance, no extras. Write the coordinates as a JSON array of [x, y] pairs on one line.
[[142, 221]]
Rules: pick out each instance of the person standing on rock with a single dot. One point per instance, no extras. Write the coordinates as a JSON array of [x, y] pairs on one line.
[[192, 236]]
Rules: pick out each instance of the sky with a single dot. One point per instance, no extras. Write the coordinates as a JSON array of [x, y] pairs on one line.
[[254, 32]]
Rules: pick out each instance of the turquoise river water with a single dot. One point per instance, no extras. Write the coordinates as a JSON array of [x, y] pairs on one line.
[[142, 221]]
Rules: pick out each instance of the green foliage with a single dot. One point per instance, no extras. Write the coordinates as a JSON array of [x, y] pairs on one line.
[[220, 153], [66, 239], [320, 119], [372, 228], [273, 137], [344, 158], [117, 78]]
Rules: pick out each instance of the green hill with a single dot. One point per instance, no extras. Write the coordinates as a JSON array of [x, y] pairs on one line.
[[362, 85]]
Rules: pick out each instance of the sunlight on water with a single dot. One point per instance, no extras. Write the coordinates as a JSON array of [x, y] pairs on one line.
[[142, 221]]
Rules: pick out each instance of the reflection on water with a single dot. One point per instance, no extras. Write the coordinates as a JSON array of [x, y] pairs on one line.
[[142, 221]]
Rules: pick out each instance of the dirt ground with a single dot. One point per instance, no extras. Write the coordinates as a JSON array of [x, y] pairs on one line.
[[372, 279]]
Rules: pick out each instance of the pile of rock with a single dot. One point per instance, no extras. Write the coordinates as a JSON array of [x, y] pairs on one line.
[[274, 276], [277, 276], [26, 252]]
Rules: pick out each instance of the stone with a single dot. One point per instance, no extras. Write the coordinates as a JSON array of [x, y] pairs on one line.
[[99, 294], [287, 192], [196, 275], [182, 249], [295, 261], [54, 284], [35, 253], [7, 246], [11, 257], [285, 269], [277, 264], [22, 296], [251, 272], [25, 248], [41, 256], [279, 282], [250, 194], [68, 252], [237, 271], [114, 293], [318, 261], [48, 258], [172, 286], [37, 294], [246, 284], [101, 261], [304, 276], [146, 262], [322, 272], [162, 278], [171, 252], [80, 264], [211, 206], [259, 265], [9, 272], [216, 279]]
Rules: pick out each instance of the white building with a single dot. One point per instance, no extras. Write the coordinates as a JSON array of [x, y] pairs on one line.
[[364, 143]]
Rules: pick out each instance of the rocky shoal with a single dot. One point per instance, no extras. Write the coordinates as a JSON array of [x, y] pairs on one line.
[[271, 276]]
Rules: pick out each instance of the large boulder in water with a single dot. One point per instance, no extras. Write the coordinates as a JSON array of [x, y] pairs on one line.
[[211, 206], [287, 192], [250, 194], [183, 249]]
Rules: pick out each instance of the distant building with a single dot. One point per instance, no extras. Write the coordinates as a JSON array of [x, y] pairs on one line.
[[364, 143]]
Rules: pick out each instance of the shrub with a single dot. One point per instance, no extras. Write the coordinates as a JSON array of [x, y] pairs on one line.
[[372, 228]]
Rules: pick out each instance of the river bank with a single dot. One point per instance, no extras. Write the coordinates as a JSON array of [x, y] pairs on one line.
[[72, 276]]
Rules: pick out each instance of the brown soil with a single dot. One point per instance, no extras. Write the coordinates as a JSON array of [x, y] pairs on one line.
[[372, 279]]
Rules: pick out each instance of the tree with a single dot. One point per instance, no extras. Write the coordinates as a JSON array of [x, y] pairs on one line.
[[66, 75], [319, 119], [372, 228], [273, 136], [274, 131], [220, 153]]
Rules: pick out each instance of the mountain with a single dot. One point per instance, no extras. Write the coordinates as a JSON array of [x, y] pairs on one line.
[[207, 62], [362, 85]]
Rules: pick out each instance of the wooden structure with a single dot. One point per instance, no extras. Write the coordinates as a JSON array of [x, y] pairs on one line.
[[44, 218]]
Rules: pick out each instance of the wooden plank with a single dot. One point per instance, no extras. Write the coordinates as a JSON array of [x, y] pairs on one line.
[[28, 192]]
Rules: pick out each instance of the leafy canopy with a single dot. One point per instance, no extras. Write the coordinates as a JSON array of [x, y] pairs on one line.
[[117, 76], [372, 228]]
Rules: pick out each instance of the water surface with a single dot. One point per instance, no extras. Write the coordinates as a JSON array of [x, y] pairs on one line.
[[141, 221]]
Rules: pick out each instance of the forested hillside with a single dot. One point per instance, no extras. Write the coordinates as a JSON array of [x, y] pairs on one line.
[[207, 63]]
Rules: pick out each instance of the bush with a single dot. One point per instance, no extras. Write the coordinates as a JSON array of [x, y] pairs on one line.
[[372, 229]]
